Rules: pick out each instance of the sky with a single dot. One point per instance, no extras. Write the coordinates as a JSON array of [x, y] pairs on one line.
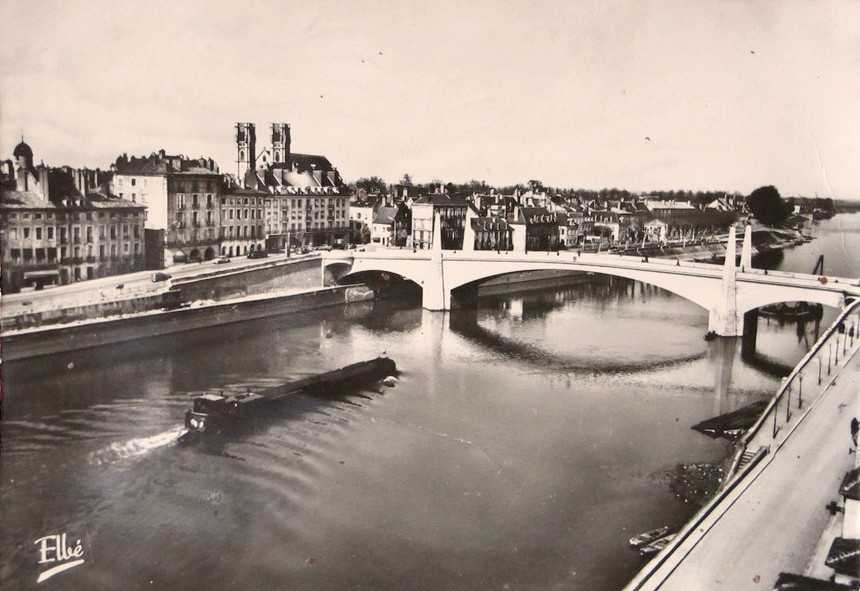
[[641, 95]]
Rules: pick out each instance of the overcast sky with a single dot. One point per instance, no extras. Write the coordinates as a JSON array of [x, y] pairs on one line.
[[637, 95]]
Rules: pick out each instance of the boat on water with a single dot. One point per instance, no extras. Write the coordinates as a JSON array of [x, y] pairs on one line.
[[792, 311], [213, 412], [649, 536], [656, 546], [732, 425]]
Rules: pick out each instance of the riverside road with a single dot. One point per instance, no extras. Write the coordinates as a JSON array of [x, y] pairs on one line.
[[775, 517]]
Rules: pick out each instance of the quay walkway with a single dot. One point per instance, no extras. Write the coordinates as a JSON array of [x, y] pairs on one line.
[[771, 515]]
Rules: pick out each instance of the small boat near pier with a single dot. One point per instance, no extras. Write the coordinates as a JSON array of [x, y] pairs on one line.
[[213, 412], [650, 536], [656, 546]]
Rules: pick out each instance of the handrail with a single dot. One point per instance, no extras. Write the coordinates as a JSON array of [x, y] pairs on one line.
[[771, 411]]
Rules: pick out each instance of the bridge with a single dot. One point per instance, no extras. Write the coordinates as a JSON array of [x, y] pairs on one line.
[[728, 293]]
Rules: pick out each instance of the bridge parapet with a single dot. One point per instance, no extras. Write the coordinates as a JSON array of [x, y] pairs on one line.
[[727, 292]]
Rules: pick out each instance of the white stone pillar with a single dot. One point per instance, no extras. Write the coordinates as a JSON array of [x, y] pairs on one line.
[[434, 296], [724, 318], [518, 237], [746, 250], [469, 232]]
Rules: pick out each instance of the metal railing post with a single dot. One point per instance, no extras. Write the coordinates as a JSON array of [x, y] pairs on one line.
[[775, 412], [820, 363], [799, 390]]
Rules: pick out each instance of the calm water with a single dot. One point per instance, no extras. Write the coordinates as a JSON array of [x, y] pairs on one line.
[[520, 449]]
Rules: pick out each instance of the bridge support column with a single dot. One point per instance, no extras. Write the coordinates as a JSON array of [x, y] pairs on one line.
[[724, 319], [469, 232], [746, 250], [434, 295]]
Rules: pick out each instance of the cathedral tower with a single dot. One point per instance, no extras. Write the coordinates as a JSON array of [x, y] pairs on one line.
[[280, 143], [246, 150]]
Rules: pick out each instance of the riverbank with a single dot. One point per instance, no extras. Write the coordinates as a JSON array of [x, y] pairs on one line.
[[86, 334]]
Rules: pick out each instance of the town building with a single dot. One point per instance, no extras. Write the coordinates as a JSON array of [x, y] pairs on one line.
[[452, 213], [183, 200], [308, 201], [541, 228], [492, 233], [61, 225], [382, 228], [243, 221]]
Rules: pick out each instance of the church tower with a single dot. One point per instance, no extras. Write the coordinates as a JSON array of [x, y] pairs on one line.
[[280, 143], [246, 150]]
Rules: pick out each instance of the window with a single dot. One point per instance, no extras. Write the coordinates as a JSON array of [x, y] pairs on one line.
[[50, 233], [136, 232], [125, 229], [125, 248], [38, 233], [137, 248], [26, 233], [133, 182], [16, 254], [180, 201], [113, 232], [101, 251], [13, 233], [101, 232], [89, 233]]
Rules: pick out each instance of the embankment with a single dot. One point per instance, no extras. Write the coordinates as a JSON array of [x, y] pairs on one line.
[[34, 342]]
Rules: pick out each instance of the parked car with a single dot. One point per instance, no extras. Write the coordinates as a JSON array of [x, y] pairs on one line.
[[258, 254], [160, 277], [222, 260]]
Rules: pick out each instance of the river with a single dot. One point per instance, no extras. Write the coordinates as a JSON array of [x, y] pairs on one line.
[[520, 448]]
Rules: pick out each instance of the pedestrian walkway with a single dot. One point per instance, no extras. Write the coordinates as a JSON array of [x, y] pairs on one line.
[[773, 520]]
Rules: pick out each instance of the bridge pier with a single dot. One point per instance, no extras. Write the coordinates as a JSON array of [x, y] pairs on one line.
[[434, 296], [723, 319], [750, 333]]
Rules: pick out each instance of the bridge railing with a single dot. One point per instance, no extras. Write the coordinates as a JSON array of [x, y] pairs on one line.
[[819, 363]]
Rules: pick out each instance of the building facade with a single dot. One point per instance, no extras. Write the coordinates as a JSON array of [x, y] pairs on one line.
[[307, 203], [60, 225], [183, 200]]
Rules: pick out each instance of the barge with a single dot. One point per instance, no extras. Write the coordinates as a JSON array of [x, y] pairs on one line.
[[213, 412]]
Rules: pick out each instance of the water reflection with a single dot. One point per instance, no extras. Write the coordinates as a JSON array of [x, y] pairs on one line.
[[524, 443]]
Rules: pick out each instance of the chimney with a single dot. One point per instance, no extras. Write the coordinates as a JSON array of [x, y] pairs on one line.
[[44, 182]]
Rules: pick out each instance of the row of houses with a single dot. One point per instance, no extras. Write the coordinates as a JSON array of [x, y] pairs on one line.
[[59, 225], [545, 222]]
